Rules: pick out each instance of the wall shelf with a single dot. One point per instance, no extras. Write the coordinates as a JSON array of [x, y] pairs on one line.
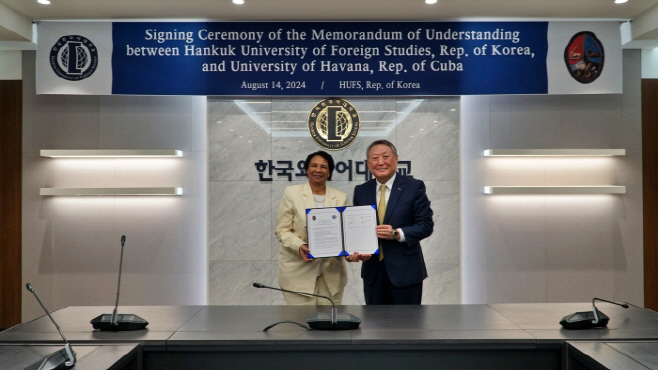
[[606, 189], [554, 152], [111, 153], [110, 191]]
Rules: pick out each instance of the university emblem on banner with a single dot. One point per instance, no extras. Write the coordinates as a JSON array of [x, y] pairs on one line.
[[584, 56], [74, 57], [334, 124]]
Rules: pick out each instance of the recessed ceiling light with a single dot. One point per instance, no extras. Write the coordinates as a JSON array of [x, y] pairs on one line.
[[238, 2], [620, 1], [430, 1], [45, 2]]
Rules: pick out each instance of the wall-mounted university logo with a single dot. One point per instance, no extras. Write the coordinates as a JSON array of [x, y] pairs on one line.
[[334, 124], [74, 57], [584, 56]]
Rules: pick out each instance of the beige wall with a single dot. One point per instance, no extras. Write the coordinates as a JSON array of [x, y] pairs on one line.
[[558, 248], [10, 65], [71, 245]]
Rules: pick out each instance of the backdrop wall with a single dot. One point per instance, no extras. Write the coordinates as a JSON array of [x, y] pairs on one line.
[[10, 65], [514, 249], [242, 208], [561, 248], [71, 245]]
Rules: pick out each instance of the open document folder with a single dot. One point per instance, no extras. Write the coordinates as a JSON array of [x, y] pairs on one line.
[[341, 231]]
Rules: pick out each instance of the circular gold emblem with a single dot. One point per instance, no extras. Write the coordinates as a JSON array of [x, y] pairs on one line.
[[333, 124]]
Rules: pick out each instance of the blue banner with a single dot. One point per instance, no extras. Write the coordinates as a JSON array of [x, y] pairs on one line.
[[329, 58]]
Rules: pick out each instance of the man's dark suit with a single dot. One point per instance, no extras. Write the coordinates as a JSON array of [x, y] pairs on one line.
[[408, 208]]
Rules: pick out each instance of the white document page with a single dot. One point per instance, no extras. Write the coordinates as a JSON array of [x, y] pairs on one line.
[[324, 232], [359, 223]]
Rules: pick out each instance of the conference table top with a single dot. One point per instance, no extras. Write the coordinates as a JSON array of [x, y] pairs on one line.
[[616, 355], [517, 325], [89, 357]]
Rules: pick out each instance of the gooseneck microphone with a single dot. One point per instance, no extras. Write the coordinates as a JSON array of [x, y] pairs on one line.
[[597, 313], [589, 319], [116, 305], [62, 359], [334, 311], [114, 321], [320, 321]]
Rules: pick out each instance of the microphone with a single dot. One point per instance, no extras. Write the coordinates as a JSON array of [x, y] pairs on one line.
[[116, 305], [589, 319], [114, 321], [598, 315], [322, 321], [62, 359]]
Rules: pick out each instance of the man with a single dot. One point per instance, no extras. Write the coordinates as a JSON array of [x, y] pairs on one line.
[[396, 275]]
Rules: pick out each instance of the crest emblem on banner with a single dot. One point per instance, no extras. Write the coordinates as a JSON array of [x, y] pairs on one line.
[[74, 57], [334, 124], [584, 57]]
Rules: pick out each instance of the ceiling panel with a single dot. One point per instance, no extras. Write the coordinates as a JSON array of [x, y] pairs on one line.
[[327, 10]]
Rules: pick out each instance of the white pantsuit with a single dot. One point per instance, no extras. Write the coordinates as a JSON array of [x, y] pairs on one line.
[[294, 273]]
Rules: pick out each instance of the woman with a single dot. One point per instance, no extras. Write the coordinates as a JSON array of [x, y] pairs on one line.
[[298, 272]]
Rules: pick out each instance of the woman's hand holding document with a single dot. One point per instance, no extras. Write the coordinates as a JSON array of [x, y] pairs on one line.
[[341, 231]]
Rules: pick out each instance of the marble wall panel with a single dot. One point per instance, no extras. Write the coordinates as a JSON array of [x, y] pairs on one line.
[[230, 282], [242, 234], [443, 285], [277, 297], [354, 289], [428, 136], [239, 135], [239, 230]]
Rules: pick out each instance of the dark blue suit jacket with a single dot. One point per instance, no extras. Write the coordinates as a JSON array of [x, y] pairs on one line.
[[408, 208]]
